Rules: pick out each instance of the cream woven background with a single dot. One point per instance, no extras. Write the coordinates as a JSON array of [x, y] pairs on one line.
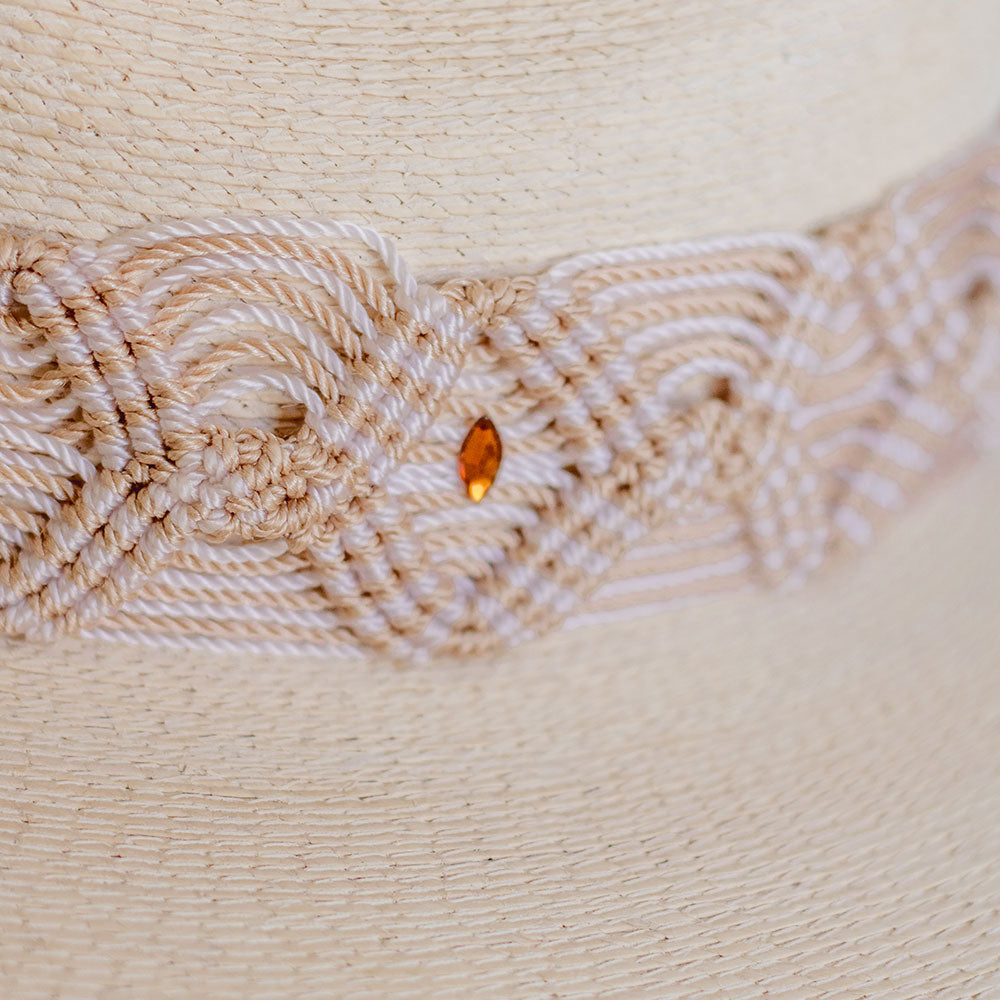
[[487, 134], [793, 795], [787, 795]]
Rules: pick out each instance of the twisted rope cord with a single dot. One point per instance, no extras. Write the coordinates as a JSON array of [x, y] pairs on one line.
[[241, 432]]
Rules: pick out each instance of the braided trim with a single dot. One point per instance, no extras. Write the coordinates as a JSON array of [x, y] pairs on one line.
[[676, 420]]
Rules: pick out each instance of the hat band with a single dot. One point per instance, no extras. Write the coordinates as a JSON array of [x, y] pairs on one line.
[[242, 432]]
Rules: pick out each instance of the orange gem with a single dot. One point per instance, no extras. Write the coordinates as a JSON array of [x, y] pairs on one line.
[[479, 458]]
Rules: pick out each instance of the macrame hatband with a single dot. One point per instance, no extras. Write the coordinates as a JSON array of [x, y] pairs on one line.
[[241, 432]]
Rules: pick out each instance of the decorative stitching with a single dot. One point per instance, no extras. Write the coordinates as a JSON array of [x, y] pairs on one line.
[[675, 419]]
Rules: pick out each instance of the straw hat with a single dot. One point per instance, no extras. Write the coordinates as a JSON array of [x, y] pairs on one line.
[[774, 792]]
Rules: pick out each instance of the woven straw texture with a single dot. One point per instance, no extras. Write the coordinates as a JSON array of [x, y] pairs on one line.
[[486, 136], [708, 812]]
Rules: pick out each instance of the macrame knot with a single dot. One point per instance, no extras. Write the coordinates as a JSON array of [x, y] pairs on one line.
[[486, 300], [734, 440], [15, 255], [258, 485], [24, 261]]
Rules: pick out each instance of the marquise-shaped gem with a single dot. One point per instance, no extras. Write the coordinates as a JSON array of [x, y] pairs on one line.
[[479, 458]]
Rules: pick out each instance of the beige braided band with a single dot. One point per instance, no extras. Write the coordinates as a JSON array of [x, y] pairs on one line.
[[243, 431]]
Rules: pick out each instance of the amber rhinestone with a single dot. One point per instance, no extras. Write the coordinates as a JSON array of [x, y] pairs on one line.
[[479, 458]]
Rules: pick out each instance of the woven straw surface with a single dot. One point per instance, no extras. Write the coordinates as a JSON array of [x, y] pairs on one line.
[[488, 135], [794, 795]]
